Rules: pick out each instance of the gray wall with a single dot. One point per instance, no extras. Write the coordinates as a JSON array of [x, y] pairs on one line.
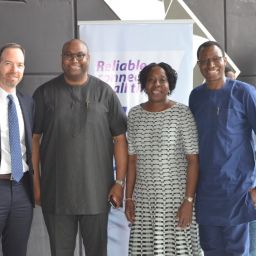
[[42, 26], [232, 23]]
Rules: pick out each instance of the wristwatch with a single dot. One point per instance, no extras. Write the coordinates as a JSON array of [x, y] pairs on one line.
[[190, 199], [120, 182]]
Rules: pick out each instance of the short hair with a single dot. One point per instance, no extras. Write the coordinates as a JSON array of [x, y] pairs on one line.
[[11, 45], [171, 74], [208, 44], [66, 44]]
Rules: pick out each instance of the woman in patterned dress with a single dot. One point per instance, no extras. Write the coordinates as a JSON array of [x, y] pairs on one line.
[[163, 170]]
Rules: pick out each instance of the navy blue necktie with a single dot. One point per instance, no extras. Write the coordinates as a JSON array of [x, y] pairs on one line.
[[14, 140]]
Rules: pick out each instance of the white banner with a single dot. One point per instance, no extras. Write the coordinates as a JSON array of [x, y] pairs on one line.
[[119, 50]]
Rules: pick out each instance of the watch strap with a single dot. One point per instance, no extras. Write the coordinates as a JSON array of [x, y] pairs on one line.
[[120, 182], [190, 199]]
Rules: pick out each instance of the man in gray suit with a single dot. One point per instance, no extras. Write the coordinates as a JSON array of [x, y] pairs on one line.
[[16, 172]]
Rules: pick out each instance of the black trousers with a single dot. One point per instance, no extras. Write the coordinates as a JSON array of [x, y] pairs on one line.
[[16, 214], [62, 230]]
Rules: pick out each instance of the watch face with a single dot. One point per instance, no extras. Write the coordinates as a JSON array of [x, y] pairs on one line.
[[189, 199], [120, 182]]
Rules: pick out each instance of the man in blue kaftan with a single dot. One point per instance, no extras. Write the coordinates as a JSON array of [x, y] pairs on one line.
[[225, 113]]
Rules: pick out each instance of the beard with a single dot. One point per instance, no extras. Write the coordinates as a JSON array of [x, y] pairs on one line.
[[75, 77]]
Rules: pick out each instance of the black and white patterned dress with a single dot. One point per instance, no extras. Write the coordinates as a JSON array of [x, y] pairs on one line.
[[161, 140]]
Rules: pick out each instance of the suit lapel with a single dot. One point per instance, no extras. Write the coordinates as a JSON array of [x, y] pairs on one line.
[[25, 113]]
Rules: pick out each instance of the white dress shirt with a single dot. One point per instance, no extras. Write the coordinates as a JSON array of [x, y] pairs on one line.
[[5, 165]]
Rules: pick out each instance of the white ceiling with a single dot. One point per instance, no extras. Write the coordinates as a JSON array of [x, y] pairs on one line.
[[138, 9]]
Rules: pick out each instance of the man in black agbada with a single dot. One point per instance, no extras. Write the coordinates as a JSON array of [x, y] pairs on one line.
[[81, 125]]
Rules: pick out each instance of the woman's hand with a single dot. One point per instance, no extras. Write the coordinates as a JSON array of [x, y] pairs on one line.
[[184, 214], [130, 210]]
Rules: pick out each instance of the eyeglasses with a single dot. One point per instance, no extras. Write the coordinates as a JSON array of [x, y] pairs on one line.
[[71, 56], [215, 60]]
